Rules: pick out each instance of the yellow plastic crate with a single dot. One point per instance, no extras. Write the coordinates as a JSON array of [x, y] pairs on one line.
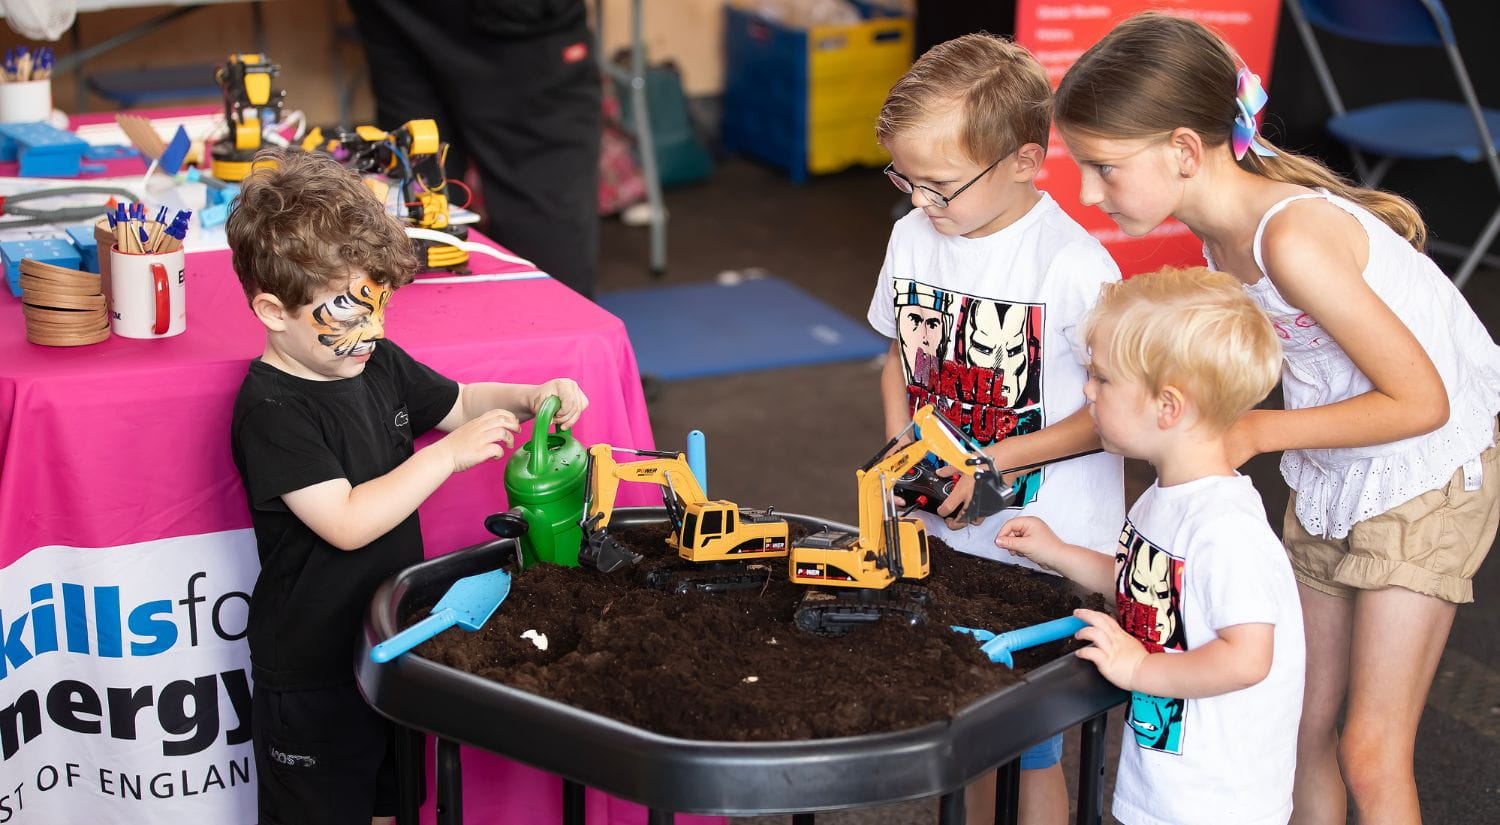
[[806, 100], [850, 70]]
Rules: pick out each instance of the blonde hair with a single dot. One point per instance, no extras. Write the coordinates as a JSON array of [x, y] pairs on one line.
[[1194, 329], [1155, 72], [1005, 99]]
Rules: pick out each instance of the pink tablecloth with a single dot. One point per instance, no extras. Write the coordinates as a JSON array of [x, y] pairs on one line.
[[128, 440], [117, 486]]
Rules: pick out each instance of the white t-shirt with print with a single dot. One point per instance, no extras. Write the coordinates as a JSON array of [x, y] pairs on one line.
[[1195, 558], [989, 333]]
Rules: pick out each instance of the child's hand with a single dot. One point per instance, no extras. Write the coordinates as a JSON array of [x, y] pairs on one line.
[[953, 507], [1117, 654], [1029, 538], [574, 402], [482, 439]]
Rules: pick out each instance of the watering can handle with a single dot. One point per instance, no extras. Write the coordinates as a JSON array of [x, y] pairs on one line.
[[536, 462]]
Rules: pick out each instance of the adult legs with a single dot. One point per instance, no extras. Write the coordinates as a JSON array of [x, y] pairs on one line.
[[526, 110], [538, 151], [403, 83]]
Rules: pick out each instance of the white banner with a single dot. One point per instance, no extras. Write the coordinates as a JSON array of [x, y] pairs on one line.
[[125, 683]]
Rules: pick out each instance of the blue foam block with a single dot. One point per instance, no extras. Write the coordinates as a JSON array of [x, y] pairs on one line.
[[88, 249], [696, 330], [42, 149], [111, 151], [55, 251]]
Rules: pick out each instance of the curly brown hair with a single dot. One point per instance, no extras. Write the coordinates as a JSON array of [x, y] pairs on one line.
[[302, 223]]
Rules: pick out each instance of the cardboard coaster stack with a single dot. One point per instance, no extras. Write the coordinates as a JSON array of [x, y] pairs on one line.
[[63, 307]]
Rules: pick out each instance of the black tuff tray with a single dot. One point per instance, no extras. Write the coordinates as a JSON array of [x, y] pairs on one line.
[[709, 777]]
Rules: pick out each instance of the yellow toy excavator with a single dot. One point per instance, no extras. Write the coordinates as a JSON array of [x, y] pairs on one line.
[[873, 571], [716, 538]]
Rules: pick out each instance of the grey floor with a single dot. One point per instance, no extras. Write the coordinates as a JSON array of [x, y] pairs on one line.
[[792, 437]]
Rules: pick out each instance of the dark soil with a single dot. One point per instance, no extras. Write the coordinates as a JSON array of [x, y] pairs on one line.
[[732, 666]]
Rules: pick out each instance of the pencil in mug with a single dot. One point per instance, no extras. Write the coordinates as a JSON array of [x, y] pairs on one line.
[[122, 228], [156, 229], [177, 231], [124, 236], [133, 230]]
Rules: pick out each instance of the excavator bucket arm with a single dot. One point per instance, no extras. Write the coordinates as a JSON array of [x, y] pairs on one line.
[[599, 550]]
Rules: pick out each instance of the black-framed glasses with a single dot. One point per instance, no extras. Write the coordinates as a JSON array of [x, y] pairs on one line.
[[933, 195]]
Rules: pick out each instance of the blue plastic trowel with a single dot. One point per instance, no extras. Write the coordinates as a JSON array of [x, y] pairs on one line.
[[469, 603], [1000, 646]]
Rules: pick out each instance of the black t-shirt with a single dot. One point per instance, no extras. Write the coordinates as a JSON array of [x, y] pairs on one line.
[[290, 433]]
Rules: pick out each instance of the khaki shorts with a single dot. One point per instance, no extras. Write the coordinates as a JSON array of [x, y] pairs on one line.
[[1431, 545]]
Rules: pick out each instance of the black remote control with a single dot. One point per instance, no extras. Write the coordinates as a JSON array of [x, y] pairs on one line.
[[923, 487]]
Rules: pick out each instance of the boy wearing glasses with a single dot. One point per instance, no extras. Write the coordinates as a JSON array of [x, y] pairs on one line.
[[984, 284]]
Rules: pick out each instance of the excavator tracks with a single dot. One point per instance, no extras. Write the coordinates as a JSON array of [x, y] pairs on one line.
[[836, 612], [709, 578]]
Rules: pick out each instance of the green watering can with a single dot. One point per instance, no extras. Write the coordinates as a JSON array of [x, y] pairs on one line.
[[544, 480]]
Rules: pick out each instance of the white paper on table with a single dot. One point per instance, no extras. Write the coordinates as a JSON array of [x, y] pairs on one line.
[[160, 191], [109, 132]]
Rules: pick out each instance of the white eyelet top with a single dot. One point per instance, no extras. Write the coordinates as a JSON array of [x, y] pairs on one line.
[[1338, 487]]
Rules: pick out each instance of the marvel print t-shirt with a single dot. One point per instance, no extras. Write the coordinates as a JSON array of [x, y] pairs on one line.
[[988, 332], [1194, 558]]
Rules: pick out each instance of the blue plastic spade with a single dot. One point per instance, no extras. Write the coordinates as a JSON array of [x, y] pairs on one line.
[[999, 646], [469, 603]]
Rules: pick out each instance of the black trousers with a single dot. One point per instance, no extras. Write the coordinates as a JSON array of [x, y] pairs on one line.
[[523, 106]]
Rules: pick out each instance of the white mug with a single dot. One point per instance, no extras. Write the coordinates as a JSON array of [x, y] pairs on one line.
[[26, 101], [146, 294]]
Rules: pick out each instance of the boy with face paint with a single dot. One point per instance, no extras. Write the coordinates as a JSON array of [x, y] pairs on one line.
[[322, 435]]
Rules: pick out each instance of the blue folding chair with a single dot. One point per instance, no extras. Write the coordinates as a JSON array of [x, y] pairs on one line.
[[1412, 128]]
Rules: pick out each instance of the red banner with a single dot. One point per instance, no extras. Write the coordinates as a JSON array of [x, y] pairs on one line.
[[1058, 33]]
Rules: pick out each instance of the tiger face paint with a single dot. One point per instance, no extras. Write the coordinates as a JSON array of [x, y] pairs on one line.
[[351, 322]]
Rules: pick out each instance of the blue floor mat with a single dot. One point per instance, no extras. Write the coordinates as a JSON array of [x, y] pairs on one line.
[[694, 330]]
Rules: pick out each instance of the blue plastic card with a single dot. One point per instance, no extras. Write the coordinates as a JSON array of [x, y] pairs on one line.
[[176, 151]]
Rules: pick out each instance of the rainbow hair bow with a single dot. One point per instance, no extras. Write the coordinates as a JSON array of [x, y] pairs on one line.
[[1249, 98]]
